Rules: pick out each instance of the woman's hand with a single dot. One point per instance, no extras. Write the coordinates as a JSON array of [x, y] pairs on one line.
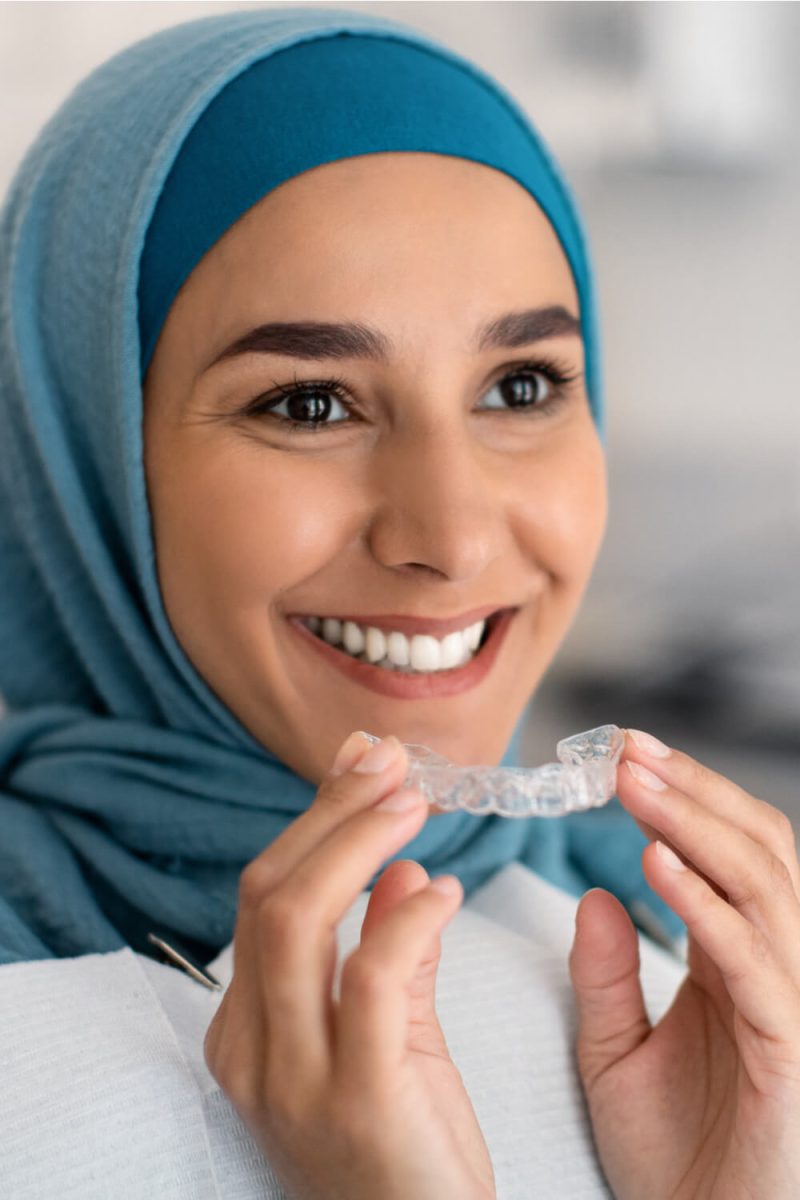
[[706, 1105], [356, 1099]]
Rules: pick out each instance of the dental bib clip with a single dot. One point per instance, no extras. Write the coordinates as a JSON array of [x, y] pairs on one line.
[[584, 777]]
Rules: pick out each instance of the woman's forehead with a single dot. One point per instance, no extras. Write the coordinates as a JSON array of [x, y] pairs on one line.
[[400, 192], [390, 233]]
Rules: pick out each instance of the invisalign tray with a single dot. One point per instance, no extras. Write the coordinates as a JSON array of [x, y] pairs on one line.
[[584, 777]]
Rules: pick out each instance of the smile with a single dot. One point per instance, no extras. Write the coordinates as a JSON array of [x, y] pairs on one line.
[[393, 650], [405, 665]]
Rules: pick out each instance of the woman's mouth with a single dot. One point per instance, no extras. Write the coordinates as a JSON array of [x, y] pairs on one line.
[[407, 665]]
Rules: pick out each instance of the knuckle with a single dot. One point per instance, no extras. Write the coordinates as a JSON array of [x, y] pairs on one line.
[[254, 883], [234, 1078], [783, 828], [706, 908], [240, 1088], [363, 979], [336, 794], [745, 894], [780, 880]]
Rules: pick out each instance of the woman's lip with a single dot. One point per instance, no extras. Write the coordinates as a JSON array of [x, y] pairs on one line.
[[437, 627], [402, 686]]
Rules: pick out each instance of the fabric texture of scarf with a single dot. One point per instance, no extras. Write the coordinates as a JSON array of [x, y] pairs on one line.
[[131, 798]]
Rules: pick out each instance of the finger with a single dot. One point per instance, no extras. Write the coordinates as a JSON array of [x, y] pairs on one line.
[[761, 821], [760, 989], [293, 1010], [350, 786], [401, 879], [373, 1018], [297, 922], [604, 969], [360, 775], [752, 878]]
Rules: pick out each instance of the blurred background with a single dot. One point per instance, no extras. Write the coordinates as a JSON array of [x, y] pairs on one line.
[[678, 126]]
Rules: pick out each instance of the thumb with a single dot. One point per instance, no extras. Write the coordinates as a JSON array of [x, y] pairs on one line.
[[604, 967]]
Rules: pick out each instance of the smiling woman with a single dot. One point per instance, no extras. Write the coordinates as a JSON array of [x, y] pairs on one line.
[[303, 435], [465, 375]]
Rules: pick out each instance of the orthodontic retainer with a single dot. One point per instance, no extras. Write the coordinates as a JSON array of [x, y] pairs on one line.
[[584, 777]]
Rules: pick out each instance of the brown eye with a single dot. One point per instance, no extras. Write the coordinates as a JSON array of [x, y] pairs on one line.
[[314, 407], [305, 407], [522, 390]]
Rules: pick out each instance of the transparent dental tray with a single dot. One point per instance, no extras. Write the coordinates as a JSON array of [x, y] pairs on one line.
[[584, 777]]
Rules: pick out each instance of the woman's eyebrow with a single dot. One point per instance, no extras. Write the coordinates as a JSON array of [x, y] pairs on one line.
[[322, 339]]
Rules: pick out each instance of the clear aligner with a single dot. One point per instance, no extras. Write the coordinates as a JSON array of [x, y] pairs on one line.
[[584, 777]]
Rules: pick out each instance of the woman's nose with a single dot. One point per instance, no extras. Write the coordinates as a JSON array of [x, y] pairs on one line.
[[440, 503]]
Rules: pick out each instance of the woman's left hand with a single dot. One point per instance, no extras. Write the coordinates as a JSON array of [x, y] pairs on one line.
[[706, 1104]]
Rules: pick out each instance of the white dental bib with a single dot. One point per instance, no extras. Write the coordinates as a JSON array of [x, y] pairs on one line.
[[106, 1092]]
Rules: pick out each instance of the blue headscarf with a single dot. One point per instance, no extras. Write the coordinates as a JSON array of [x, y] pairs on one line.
[[131, 797]]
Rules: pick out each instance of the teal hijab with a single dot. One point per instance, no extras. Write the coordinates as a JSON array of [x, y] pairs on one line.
[[131, 798]]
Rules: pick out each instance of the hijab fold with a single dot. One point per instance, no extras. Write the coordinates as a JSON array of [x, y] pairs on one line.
[[131, 797]]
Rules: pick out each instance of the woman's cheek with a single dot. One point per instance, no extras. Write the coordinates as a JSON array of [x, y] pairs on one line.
[[583, 508], [563, 510], [279, 520]]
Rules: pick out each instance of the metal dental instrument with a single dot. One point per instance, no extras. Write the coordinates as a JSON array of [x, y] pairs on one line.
[[584, 777]]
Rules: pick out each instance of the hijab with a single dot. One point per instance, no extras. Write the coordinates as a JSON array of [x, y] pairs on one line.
[[131, 797]]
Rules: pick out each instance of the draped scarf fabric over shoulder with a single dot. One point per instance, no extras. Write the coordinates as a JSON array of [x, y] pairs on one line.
[[130, 797]]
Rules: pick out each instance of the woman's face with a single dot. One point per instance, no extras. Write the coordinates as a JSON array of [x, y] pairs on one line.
[[449, 470]]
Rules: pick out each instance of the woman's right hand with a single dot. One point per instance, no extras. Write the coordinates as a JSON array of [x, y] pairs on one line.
[[356, 1099]]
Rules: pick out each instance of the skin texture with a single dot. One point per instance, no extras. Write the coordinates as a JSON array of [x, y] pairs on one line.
[[429, 505], [252, 522], [357, 1099], [705, 1105]]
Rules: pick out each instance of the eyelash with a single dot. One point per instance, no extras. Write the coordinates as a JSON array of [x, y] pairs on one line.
[[556, 376]]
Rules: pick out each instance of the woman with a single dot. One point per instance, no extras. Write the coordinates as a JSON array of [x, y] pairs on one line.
[[323, 213]]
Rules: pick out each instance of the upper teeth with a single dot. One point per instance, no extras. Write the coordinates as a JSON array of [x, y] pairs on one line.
[[392, 649]]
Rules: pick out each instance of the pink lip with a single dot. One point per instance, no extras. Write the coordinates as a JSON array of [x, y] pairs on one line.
[[414, 687], [435, 626]]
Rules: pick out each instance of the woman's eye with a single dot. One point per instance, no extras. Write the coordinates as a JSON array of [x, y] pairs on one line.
[[522, 390], [311, 406]]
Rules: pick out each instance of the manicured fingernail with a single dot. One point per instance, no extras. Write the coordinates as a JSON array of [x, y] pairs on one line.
[[349, 753], [379, 757], [399, 801], [668, 858], [650, 744], [645, 777]]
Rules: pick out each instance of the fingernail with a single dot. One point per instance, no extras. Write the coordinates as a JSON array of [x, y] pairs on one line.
[[399, 801], [379, 756], [646, 777], [668, 858], [448, 885], [349, 753], [650, 744]]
